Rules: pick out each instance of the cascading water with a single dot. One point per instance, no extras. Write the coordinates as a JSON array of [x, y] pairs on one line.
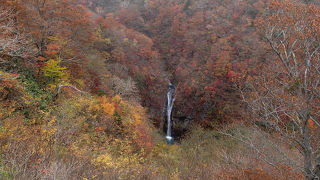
[[170, 98]]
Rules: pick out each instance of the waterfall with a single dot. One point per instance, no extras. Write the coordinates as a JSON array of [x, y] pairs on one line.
[[170, 99]]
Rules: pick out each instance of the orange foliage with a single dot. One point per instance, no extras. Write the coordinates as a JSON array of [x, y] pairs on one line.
[[107, 107], [45, 19], [312, 125]]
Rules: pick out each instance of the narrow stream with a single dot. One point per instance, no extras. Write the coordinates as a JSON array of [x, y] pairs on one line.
[[170, 99]]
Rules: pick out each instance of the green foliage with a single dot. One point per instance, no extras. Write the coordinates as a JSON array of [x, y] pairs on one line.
[[41, 97], [4, 171], [101, 92], [118, 117], [32, 86]]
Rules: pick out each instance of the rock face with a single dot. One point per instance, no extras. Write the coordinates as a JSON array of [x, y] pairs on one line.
[[179, 126]]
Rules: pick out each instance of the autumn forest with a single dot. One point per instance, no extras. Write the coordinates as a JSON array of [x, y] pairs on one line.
[[160, 89]]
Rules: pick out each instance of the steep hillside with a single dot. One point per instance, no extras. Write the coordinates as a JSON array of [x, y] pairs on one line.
[[83, 89]]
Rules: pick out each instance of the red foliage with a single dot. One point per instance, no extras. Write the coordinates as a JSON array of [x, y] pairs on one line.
[[99, 20], [231, 74]]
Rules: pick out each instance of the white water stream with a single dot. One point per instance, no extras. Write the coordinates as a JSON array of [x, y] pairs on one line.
[[170, 99]]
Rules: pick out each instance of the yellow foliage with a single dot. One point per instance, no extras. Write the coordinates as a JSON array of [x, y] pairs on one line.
[[116, 99], [85, 124], [123, 160], [55, 72], [105, 160], [99, 33], [126, 40], [58, 39], [135, 42], [80, 82], [106, 55], [108, 41]]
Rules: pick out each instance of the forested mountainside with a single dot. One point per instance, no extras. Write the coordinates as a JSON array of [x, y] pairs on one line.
[[84, 83], [201, 46]]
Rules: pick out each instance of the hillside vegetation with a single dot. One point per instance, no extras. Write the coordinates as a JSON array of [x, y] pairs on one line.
[[83, 88]]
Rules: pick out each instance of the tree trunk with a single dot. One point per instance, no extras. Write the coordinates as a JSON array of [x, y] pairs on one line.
[[307, 151], [316, 170]]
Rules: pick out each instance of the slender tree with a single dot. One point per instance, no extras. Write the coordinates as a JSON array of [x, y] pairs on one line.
[[286, 93]]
